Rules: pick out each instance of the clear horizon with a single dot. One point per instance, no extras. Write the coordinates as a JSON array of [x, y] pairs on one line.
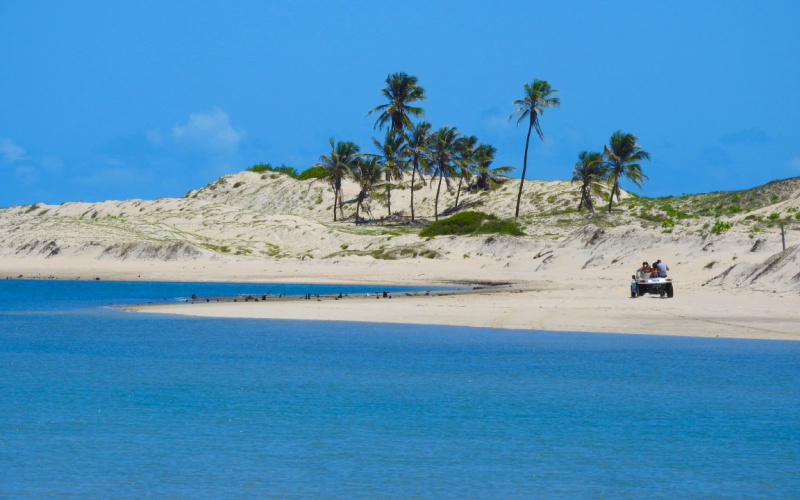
[[107, 101]]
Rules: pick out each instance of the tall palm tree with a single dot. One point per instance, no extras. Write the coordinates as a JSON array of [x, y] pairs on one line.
[[466, 161], [401, 91], [487, 176], [589, 171], [622, 157], [416, 150], [538, 96], [337, 165], [390, 153], [443, 152], [367, 174]]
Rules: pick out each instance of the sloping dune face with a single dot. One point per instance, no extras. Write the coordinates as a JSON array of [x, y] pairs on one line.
[[729, 240]]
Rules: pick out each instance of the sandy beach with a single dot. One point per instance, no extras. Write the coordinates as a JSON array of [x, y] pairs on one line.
[[589, 301], [570, 272], [539, 307]]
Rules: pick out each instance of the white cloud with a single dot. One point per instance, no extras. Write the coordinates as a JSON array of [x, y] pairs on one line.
[[155, 137], [10, 151], [27, 175], [52, 163], [208, 131]]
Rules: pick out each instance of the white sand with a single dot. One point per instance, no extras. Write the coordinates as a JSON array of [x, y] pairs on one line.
[[572, 270]]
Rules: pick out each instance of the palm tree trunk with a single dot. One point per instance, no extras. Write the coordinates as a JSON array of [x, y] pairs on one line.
[[613, 190], [583, 195], [335, 202], [389, 198], [524, 167], [459, 187], [358, 207], [439, 188], [413, 173]]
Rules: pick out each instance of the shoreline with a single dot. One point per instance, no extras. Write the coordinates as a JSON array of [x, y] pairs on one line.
[[521, 307], [537, 297]]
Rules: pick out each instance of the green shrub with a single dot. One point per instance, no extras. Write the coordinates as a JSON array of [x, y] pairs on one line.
[[266, 167], [238, 184], [311, 173], [569, 210], [500, 227], [797, 216], [720, 227], [668, 223], [471, 223], [774, 216]]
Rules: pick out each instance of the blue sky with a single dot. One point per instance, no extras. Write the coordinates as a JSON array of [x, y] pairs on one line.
[[111, 100]]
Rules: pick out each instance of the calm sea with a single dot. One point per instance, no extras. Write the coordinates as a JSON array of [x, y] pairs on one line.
[[97, 402]]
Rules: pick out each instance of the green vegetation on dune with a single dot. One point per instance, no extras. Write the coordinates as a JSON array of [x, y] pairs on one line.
[[466, 223], [716, 204], [309, 173]]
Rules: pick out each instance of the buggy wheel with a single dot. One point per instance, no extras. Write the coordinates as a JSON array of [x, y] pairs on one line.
[[669, 291], [639, 291], [633, 293], [661, 294]]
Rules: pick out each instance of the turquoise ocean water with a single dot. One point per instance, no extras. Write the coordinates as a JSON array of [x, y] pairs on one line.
[[97, 402]]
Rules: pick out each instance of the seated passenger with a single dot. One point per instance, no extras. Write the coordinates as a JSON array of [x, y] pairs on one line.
[[661, 268], [645, 270]]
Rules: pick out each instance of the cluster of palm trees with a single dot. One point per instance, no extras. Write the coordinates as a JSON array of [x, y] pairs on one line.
[[594, 171], [409, 148], [597, 171], [445, 155]]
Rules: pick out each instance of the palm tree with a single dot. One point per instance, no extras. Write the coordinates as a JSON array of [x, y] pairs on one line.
[[390, 157], [401, 90], [443, 153], [466, 160], [337, 165], [367, 175], [622, 155], [589, 171], [416, 150], [488, 177], [538, 96]]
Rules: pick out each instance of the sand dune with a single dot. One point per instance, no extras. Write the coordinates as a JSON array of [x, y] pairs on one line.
[[270, 227]]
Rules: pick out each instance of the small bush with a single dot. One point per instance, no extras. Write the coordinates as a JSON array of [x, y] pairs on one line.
[[720, 227], [500, 227], [266, 167], [774, 216], [710, 264], [311, 173], [238, 184], [797, 216], [668, 223], [471, 223]]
